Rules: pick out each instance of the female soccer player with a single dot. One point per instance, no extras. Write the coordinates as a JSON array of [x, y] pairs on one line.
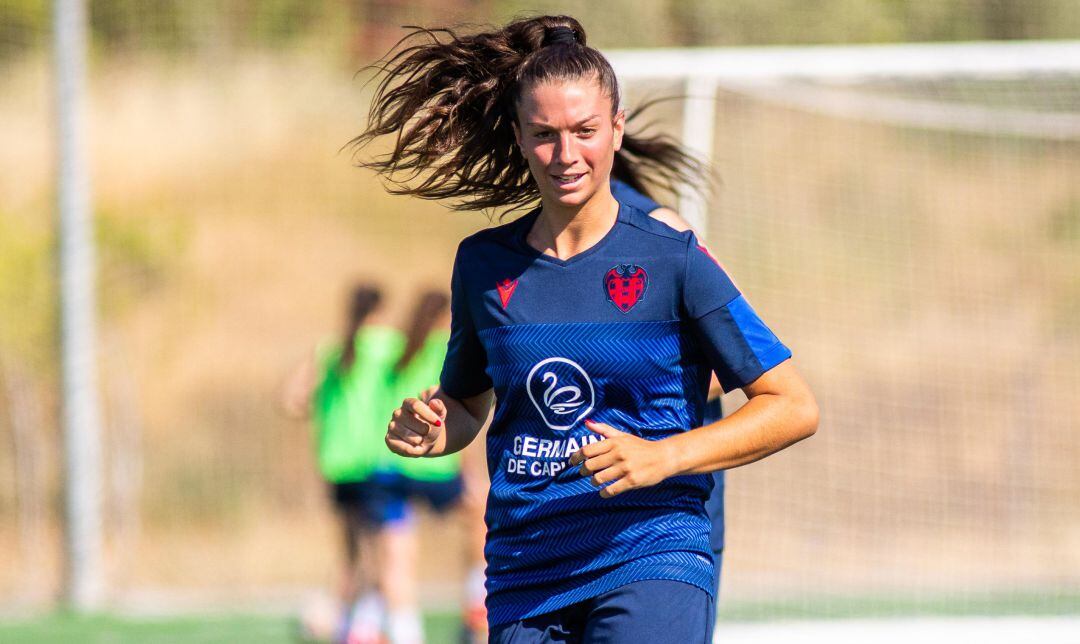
[[593, 326]]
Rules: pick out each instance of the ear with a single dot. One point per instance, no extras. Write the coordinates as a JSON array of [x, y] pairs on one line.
[[618, 127]]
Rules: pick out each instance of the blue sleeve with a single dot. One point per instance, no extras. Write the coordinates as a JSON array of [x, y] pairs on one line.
[[464, 372], [738, 346]]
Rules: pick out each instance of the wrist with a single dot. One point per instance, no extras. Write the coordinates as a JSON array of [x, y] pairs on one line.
[[673, 457], [438, 446]]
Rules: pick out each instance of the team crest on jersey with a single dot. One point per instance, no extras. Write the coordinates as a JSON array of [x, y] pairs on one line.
[[625, 285], [561, 391]]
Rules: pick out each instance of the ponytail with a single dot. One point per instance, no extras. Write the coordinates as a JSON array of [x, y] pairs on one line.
[[429, 308], [451, 101], [363, 300]]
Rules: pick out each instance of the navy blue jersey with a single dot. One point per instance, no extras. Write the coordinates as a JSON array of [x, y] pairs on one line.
[[624, 193], [625, 333]]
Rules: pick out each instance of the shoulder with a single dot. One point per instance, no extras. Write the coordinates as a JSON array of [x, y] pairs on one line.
[[377, 340], [437, 338], [377, 333], [502, 234], [671, 218], [327, 352], [663, 228]]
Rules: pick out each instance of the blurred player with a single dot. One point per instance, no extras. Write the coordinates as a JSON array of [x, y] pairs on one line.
[[592, 326], [342, 388], [437, 483]]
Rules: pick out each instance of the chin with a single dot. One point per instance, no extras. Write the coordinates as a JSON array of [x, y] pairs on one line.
[[573, 199], [579, 197]]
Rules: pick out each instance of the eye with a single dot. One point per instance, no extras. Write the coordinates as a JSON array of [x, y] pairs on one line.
[[543, 135], [587, 131]]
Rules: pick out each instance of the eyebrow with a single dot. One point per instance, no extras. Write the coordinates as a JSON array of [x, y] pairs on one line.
[[578, 124]]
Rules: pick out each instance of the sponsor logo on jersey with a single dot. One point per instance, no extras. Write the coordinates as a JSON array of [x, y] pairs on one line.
[[506, 290], [625, 285], [561, 391]]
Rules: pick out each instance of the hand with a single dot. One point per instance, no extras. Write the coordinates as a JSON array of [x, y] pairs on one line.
[[623, 461], [415, 426]]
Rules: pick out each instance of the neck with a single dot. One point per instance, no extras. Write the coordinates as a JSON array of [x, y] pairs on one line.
[[563, 231]]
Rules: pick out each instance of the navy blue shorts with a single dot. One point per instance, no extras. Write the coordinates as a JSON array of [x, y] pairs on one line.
[[393, 492], [361, 498], [657, 611], [385, 497]]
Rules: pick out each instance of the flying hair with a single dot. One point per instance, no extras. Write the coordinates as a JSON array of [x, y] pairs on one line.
[[450, 101]]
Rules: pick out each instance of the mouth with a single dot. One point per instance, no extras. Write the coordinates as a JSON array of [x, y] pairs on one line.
[[568, 181]]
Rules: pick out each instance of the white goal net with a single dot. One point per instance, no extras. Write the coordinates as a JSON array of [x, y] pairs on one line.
[[908, 217]]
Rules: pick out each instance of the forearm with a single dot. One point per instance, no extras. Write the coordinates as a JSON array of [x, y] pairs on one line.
[[464, 420], [766, 424], [781, 411]]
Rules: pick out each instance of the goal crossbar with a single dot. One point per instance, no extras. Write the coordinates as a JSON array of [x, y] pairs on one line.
[[762, 71], [851, 62]]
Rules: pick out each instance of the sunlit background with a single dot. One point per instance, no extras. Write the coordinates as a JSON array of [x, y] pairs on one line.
[[915, 239]]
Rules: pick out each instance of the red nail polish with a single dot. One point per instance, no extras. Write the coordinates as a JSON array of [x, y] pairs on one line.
[[438, 423]]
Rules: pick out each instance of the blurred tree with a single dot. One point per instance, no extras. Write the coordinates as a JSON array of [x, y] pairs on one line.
[[378, 23], [154, 24], [368, 28], [24, 25], [28, 313], [616, 23]]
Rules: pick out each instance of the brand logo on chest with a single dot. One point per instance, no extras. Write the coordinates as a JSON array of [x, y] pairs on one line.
[[625, 285], [561, 391], [506, 289]]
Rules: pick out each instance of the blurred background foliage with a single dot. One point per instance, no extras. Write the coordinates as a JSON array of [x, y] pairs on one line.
[[369, 26]]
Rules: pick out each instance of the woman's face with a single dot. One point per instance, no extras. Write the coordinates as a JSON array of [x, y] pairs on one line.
[[567, 134]]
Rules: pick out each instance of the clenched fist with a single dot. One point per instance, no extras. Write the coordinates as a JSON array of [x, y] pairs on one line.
[[416, 426]]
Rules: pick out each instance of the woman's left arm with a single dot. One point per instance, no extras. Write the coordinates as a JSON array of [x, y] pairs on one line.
[[781, 411]]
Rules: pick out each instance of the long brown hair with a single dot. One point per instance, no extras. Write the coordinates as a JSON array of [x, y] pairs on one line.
[[450, 100], [425, 314], [363, 300]]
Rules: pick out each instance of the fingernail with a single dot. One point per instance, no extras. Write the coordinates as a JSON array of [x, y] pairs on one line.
[[438, 423], [590, 421]]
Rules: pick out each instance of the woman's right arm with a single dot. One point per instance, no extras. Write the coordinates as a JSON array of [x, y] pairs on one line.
[[442, 425], [445, 423], [299, 388]]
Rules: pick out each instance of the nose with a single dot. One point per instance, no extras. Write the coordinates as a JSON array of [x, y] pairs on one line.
[[566, 154]]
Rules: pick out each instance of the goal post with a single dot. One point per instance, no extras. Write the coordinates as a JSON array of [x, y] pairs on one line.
[[82, 431]]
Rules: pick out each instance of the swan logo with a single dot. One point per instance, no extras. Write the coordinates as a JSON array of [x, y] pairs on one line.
[[561, 391]]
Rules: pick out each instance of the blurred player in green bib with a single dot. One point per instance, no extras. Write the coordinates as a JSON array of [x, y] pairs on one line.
[[438, 483], [349, 388], [343, 389]]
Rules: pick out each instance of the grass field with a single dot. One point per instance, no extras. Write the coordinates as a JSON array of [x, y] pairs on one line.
[[60, 628], [832, 617], [835, 608]]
